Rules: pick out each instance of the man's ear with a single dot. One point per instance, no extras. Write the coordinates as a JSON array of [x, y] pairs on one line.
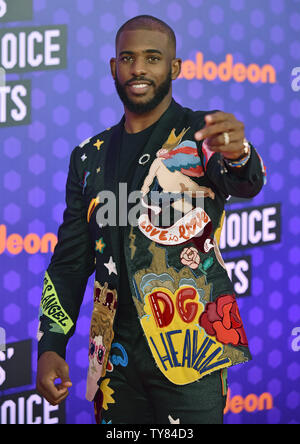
[[176, 68], [113, 67]]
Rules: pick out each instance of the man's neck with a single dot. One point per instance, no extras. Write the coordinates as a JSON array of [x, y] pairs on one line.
[[134, 123]]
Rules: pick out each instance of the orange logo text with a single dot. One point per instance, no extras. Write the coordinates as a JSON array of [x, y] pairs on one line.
[[250, 404], [31, 243], [227, 70]]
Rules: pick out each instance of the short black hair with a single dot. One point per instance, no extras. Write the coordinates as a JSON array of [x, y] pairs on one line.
[[150, 23]]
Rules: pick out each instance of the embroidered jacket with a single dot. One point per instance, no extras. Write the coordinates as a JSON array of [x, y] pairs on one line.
[[178, 281]]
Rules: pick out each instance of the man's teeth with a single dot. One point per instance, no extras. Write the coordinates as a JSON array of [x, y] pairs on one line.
[[140, 85]]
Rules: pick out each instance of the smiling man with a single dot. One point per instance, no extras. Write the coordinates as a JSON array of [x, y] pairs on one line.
[[165, 325], [144, 72]]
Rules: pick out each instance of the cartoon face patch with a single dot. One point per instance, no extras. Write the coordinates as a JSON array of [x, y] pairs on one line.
[[101, 335]]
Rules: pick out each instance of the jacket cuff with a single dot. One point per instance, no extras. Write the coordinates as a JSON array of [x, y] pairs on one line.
[[53, 342]]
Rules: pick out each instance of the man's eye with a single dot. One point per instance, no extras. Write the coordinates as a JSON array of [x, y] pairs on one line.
[[126, 58], [153, 59]]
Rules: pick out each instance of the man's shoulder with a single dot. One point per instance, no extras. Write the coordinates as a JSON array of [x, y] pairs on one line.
[[84, 155], [93, 143], [93, 140]]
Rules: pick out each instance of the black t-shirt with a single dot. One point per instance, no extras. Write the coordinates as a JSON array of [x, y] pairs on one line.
[[130, 153]]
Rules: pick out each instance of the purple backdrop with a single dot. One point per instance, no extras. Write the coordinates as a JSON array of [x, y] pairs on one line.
[[52, 100]]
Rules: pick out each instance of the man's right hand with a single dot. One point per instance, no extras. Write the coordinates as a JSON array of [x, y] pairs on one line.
[[51, 367]]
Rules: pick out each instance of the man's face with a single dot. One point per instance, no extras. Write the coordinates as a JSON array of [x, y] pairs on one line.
[[143, 69]]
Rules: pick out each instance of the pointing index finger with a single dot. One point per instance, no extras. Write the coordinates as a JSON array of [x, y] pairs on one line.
[[215, 123], [218, 116], [213, 130]]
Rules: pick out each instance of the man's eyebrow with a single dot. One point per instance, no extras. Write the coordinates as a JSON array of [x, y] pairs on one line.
[[156, 51], [146, 51]]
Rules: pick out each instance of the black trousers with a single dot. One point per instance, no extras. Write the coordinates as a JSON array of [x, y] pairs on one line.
[[134, 391]]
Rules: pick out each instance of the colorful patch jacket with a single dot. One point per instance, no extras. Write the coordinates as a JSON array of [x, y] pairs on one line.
[[183, 296]]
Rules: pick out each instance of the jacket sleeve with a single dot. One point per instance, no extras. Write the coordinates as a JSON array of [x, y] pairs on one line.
[[66, 277], [246, 181]]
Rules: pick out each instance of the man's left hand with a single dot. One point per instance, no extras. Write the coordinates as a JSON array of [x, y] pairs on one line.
[[231, 145]]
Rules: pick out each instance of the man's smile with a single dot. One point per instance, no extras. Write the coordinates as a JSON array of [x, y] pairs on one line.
[[139, 87]]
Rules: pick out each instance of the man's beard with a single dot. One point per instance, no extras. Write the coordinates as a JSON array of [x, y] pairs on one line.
[[144, 107]]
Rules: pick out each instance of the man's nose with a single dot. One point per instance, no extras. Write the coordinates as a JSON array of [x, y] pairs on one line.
[[138, 67]]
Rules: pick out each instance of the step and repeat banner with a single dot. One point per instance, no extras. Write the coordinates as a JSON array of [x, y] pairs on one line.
[[56, 91]]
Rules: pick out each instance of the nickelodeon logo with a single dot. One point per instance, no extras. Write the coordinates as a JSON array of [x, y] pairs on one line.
[[31, 243], [250, 404], [226, 70]]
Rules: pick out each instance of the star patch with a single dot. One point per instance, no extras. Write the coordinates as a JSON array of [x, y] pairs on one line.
[[98, 144], [111, 266], [100, 245], [83, 157]]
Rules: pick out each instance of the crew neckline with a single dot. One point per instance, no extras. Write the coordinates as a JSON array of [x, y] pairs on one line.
[[145, 130]]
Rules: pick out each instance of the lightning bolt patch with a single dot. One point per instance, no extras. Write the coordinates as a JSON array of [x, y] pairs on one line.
[[132, 239]]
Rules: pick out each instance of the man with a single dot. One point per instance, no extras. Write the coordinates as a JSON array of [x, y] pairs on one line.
[[165, 325]]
